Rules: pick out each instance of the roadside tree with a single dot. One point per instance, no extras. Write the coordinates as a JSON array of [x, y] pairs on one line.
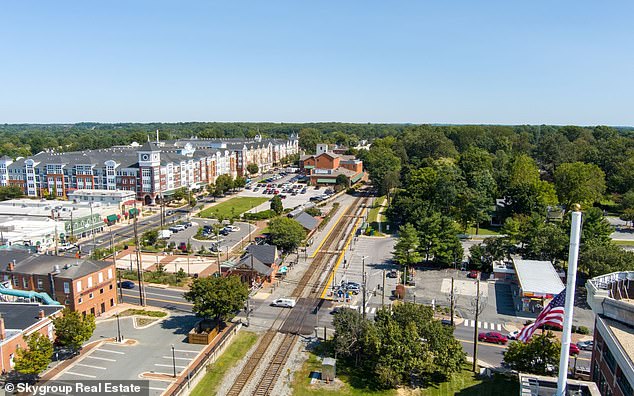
[[73, 329], [36, 357], [537, 356], [276, 205], [286, 233], [253, 168], [217, 298]]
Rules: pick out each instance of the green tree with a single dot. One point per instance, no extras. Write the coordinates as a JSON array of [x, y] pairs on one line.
[[217, 297], [526, 193], [276, 205], [580, 183], [149, 238], [381, 161], [535, 356], [10, 192], [628, 216], [239, 182], [406, 250], [72, 329], [309, 138], [598, 259], [627, 200], [36, 357], [253, 168], [286, 233], [224, 183], [342, 182]]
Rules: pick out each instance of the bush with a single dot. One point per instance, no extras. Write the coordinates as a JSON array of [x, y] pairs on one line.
[[313, 211], [583, 330], [263, 215]]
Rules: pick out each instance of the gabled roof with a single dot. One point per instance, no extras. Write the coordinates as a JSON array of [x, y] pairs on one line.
[[21, 316], [266, 254], [246, 263], [307, 221], [149, 146]]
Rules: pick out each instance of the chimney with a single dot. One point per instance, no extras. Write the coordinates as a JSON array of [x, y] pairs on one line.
[[11, 266], [3, 334], [41, 314]]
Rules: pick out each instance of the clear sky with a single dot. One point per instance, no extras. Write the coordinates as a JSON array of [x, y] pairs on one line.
[[509, 62]]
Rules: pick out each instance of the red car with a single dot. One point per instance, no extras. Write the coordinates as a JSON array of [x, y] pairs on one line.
[[574, 350], [492, 337], [473, 274]]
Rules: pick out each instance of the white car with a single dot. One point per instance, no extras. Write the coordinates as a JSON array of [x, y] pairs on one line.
[[284, 303], [64, 247], [232, 228], [513, 335]]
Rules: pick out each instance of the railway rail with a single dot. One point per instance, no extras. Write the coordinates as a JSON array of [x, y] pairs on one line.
[[294, 323]]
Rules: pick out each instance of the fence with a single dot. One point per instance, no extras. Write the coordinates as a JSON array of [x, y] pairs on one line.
[[192, 375]]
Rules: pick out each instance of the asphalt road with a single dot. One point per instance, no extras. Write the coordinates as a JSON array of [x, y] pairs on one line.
[[158, 297], [229, 241]]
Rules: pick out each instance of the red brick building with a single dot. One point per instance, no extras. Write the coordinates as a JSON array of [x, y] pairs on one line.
[[19, 320], [83, 285], [325, 166]]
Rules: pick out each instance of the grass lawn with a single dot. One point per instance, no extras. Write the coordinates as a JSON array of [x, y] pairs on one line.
[[234, 207], [483, 231], [374, 211], [240, 345], [464, 383]]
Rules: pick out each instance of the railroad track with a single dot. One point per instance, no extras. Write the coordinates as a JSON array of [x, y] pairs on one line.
[[292, 325]]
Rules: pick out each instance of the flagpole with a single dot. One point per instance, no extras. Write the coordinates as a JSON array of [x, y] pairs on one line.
[[573, 255]]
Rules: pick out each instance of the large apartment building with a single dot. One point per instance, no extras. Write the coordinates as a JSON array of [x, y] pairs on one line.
[[610, 297], [152, 170]]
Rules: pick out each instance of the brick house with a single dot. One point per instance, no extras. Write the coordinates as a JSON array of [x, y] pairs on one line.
[[83, 285], [259, 265], [324, 167], [19, 320]]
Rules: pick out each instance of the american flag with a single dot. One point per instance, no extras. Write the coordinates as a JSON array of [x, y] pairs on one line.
[[553, 314]]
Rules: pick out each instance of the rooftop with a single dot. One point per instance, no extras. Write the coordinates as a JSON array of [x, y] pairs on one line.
[[538, 385], [42, 264], [538, 277], [21, 316]]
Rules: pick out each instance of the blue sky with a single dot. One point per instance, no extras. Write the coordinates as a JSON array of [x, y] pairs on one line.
[[559, 62]]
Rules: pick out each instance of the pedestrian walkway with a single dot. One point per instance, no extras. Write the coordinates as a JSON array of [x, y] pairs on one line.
[[483, 325]]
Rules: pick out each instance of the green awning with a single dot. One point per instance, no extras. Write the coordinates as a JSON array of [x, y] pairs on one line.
[[112, 217], [309, 166], [133, 211], [356, 178], [327, 181]]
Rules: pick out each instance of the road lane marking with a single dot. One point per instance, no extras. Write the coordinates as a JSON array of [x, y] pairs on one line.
[[169, 365], [88, 365], [81, 375], [107, 350], [177, 358], [100, 358]]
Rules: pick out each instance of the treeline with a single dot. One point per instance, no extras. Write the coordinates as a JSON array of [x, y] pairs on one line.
[[27, 139], [442, 180]]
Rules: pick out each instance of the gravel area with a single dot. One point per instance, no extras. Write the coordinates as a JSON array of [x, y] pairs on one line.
[[298, 356], [249, 389], [233, 373]]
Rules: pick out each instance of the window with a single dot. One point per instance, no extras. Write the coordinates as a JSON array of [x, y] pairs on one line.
[[66, 288], [78, 285], [109, 273], [110, 287], [101, 291], [112, 302], [100, 277], [25, 282], [90, 296], [81, 300], [40, 284], [89, 282], [609, 359], [624, 384], [15, 281]]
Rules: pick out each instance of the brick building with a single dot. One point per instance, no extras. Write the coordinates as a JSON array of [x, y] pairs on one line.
[[325, 166], [19, 320], [151, 170], [83, 285], [612, 367]]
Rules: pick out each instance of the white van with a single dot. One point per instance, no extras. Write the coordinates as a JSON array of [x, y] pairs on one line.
[[284, 303]]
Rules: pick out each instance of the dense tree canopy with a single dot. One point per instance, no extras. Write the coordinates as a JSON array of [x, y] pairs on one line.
[[286, 233], [217, 297]]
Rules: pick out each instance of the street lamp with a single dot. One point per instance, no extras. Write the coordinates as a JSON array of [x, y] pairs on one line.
[[119, 336], [174, 360]]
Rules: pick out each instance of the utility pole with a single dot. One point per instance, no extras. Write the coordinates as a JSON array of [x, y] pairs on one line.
[[364, 282], [383, 291], [92, 229], [475, 328], [138, 260], [452, 301]]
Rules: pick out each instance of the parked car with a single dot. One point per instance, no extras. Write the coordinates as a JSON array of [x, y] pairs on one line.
[[392, 274], [224, 232], [473, 274], [585, 345], [353, 288], [169, 213], [232, 228], [126, 284], [256, 189], [182, 246], [493, 337], [284, 303], [574, 350]]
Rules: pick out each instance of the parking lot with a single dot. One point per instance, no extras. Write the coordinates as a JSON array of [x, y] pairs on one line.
[[291, 201], [148, 352], [233, 239]]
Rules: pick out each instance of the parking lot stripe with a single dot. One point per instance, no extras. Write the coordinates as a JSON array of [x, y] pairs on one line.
[[107, 350], [155, 388], [87, 365], [168, 365], [177, 358], [81, 375], [185, 351], [100, 358]]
